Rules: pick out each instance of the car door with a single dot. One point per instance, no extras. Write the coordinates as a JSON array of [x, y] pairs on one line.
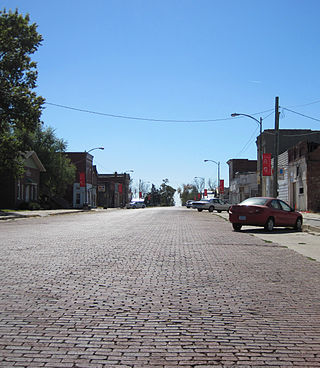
[[276, 212], [289, 217]]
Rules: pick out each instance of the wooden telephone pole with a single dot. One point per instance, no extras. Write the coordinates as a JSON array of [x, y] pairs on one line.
[[276, 149]]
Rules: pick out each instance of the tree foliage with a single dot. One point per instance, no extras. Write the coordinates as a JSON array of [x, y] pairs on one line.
[[166, 194], [20, 107], [163, 196], [60, 172], [188, 192]]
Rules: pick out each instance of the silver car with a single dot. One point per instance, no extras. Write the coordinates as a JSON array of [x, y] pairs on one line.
[[136, 204], [211, 205]]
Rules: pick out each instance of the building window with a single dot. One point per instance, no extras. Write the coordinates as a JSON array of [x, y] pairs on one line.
[[19, 189], [301, 190], [77, 198]]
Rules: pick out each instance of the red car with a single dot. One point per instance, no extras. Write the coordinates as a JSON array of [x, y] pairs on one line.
[[264, 211]]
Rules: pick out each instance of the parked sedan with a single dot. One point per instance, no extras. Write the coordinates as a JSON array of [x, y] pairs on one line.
[[211, 205], [136, 204], [266, 212]]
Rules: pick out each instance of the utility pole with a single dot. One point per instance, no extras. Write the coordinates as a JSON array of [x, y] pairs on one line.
[[260, 159], [276, 150]]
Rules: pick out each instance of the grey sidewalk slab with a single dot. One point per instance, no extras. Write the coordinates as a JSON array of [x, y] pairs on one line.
[[306, 242]]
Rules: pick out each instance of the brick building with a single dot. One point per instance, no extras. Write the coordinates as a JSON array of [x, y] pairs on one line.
[[304, 176], [242, 179], [287, 139], [83, 192], [113, 190], [25, 189]]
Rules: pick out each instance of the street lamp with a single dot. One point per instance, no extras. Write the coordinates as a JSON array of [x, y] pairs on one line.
[[259, 122], [96, 148], [85, 176], [217, 163]]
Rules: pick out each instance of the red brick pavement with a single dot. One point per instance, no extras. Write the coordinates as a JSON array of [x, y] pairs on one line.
[[153, 288]]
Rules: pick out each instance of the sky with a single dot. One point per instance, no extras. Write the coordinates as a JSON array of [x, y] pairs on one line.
[[180, 61]]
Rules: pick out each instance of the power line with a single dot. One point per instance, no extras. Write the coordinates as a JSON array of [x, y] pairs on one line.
[[249, 141], [307, 104], [138, 117], [146, 119], [298, 113]]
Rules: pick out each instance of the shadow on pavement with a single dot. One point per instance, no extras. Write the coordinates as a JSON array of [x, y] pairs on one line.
[[275, 231]]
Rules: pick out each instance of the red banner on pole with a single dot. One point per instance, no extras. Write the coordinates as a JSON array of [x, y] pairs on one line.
[[205, 192], [120, 188], [266, 164], [221, 188], [82, 179]]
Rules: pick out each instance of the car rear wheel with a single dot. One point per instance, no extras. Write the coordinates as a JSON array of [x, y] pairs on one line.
[[237, 227], [219, 211], [298, 225], [269, 224], [211, 208], [199, 209]]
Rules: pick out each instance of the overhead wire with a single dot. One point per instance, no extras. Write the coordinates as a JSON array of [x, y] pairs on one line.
[[298, 113], [249, 141], [120, 116]]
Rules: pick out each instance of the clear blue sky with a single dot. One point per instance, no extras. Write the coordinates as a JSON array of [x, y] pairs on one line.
[[177, 60]]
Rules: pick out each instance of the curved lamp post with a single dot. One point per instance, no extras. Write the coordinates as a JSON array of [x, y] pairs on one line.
[[85, 176], [217, 163], [259, 122]]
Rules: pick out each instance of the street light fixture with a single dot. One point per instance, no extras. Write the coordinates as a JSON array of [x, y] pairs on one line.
[[259, 122], [96, 148], [85, 176], [217, 163]]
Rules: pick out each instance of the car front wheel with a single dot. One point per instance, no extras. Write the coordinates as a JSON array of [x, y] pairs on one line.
[[298, 225], [211, 208], [199, 209], [237, 227], [269, 224]]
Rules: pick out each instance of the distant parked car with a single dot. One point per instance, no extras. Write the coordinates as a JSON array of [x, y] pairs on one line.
[[211, 205], [189, 204], [266, 212], [136, 204]]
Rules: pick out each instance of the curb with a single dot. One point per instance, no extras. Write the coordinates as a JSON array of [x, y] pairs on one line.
[[310, 228], [30, 215]]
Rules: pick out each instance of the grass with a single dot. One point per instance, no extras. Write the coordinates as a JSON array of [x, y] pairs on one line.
[[311, 259]]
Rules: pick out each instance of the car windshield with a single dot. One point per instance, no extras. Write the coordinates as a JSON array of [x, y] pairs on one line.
[[254, 202]]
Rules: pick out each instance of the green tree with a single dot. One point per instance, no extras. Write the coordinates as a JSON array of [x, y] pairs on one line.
[[166, 194], [20, 107], [60, 172], [188, 192]]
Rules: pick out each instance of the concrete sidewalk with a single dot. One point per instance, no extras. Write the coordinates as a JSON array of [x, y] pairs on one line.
[[12, 215], [306, 242]]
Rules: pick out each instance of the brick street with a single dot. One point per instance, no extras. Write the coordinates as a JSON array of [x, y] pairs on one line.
[[153, 288]]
